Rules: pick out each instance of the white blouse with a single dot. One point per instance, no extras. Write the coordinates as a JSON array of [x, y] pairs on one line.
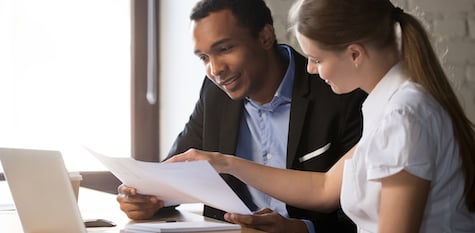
[[404, 128]]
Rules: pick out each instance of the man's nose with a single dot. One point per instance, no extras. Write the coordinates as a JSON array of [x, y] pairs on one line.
[[217, 67]]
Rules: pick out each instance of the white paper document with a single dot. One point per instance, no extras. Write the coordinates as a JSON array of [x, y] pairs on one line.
[[7, 207], [180, 227], [176, 183]]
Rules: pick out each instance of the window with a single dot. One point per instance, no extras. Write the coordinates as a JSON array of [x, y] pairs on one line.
[[181, 72], [65, 77], [74, 73]]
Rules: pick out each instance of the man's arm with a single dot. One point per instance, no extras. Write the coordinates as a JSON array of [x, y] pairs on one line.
[[137, 206]]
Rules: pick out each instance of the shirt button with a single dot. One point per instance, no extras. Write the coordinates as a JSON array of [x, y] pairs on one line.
[[269, 156]]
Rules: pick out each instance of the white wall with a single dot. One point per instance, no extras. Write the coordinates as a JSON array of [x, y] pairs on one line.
[[181, 73]]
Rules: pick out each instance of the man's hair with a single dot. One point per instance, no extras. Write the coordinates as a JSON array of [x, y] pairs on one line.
[[251, 14]]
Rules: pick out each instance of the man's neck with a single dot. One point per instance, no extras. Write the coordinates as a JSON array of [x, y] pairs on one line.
[[276, 70]]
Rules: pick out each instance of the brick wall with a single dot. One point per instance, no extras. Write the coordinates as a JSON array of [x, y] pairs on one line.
[[451, 25]]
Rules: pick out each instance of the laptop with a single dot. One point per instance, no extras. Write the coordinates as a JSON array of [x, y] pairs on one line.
[[41, 190]]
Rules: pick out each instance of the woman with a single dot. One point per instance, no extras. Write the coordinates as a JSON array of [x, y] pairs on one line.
[[414, 167]]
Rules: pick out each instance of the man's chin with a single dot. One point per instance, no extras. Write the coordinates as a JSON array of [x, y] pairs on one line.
[[235, 95]]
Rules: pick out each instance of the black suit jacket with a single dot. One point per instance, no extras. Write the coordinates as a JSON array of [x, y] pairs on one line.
[[317, 117]]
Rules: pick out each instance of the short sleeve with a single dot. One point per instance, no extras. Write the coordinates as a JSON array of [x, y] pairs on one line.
[[401, 142]]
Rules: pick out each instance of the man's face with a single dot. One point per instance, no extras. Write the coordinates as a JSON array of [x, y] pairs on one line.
[[234, 60]]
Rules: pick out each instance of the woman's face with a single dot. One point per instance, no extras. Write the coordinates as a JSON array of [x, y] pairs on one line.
[[336, 68]]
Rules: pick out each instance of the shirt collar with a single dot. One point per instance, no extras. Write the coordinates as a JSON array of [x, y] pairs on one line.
[[285, 88], [382, 93], [284, 91]]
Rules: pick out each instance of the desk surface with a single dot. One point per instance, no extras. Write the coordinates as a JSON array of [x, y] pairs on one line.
[[94, 204]]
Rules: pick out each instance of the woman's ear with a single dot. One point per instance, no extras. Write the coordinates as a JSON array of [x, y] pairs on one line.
[[267, 36], [356, 51]]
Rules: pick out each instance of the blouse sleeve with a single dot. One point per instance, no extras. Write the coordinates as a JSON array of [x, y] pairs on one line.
[[401, 142]]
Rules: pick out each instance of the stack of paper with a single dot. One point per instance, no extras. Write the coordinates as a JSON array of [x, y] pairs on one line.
[[204, 226]]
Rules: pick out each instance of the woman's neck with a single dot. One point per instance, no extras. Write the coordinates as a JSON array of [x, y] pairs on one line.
[[379, 63]]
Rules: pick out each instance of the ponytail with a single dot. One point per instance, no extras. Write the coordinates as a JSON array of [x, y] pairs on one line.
[[422, 64]]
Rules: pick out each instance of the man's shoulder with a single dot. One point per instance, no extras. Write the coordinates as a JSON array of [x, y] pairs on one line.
[[300, 62], [209, 87], [296, 54]]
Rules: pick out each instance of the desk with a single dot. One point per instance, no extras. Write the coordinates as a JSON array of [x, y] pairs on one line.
[[95, 204]]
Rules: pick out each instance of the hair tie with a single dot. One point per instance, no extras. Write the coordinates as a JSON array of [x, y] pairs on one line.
[[396, 13]]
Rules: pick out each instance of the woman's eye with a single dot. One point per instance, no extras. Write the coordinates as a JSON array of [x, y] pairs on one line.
[[314, 60]]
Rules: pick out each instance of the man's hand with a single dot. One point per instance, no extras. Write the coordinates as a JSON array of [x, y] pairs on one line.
[[137, 206], [268, 221]]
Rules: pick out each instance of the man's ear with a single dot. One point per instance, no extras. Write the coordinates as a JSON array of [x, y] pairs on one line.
[[267, 36]]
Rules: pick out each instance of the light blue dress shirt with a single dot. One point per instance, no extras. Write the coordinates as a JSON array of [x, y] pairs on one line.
[[264, 133]]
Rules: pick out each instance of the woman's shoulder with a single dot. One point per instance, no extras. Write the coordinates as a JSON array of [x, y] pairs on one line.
[[412, 98]]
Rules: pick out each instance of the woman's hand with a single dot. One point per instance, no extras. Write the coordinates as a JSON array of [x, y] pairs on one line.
[[220, 162]]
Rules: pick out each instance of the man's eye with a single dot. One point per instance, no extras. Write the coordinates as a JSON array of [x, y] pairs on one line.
[[225, 48], [203, 57]]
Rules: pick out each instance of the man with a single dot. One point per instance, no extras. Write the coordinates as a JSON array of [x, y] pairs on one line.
[[257, 102]]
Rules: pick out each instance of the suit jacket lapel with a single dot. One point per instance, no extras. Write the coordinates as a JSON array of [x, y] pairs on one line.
[[229, 126], [298, 108], [228, 133]]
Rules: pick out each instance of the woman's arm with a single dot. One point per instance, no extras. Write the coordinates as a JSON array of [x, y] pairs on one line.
[[309, 190], [403, 201]]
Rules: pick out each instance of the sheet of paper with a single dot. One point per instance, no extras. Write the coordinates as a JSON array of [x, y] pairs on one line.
[[180, 227], [176, 183], [7, 207]]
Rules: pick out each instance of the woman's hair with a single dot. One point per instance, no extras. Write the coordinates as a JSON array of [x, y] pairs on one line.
[[335, 24]]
